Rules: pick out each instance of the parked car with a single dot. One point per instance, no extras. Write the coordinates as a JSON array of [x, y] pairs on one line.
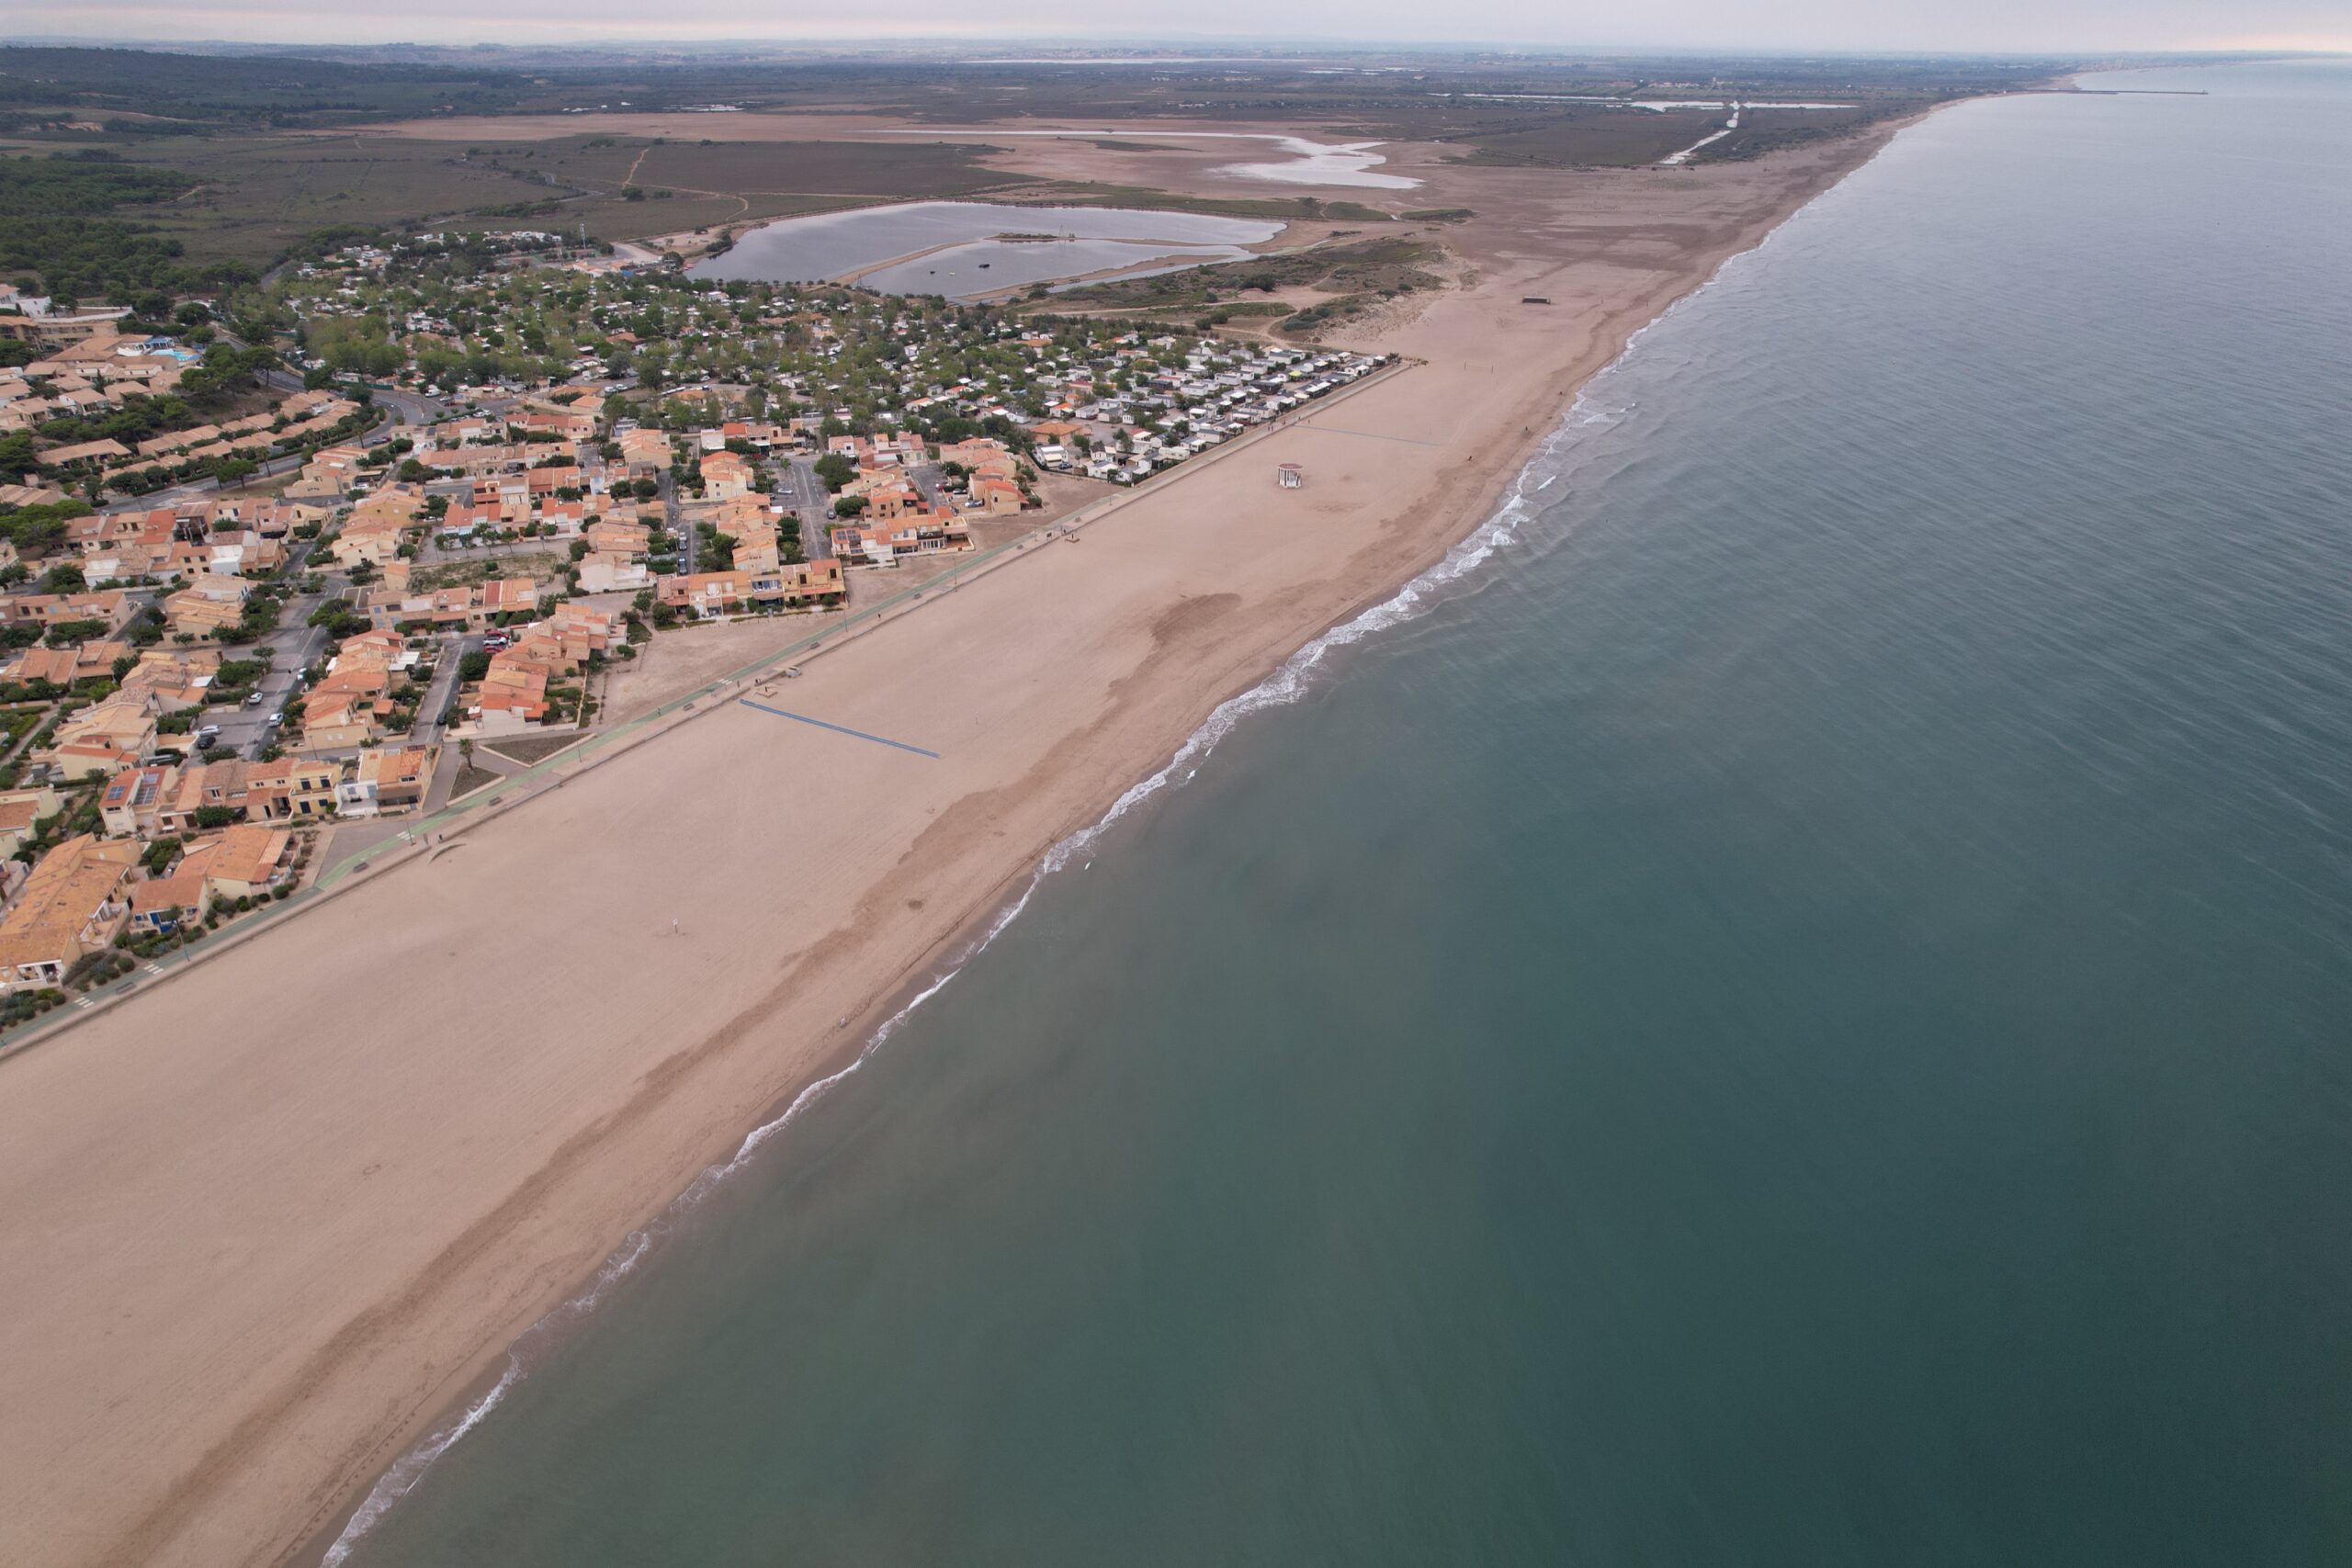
[[252, 699], [207, 734]]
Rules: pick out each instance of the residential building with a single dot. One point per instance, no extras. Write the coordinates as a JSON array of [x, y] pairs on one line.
[[72, 904], [388, 778], [814, 584], [21, 812], [133, 798], [291, 788]]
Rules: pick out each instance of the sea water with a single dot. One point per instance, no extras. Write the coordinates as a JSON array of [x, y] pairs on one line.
[[1794, 1008]]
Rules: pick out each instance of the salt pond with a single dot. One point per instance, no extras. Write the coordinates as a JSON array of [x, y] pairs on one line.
[[965, 248]]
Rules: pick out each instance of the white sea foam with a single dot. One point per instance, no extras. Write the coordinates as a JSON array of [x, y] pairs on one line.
[[410, 1468]]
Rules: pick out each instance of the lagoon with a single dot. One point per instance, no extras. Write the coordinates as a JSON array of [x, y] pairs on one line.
[[961, 248]]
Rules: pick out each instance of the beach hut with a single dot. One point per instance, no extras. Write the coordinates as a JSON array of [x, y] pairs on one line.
[[1290, 476]]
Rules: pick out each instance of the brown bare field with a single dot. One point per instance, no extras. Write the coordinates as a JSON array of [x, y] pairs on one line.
[[903, 167], [247, 1266], [677, 661]]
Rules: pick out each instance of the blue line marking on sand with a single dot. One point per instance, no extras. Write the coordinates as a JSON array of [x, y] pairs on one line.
[[840, 728], [1367, 434]]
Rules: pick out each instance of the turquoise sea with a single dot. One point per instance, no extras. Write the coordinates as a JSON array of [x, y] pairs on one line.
[[1797, 1011]]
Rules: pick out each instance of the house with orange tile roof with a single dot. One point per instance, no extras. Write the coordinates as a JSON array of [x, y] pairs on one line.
[[583, 630], [506, 498], [560, 519], [161, 905], [104, 531], [353, 698], [206, 606], [617, 537], [72, 904], [513, 696], [388, 778], [577, 422], [375, 539], [215, 786], [981, 454], [997, 497], [21, 812], [53, 665], [645, 453], [889, 503], [102, 738], [474, 606], [331, 472], [756, 548], [880, 543], [811, 584], [130, 802], [249, 859], [83, 454], [168, 680], [111, 605], [292, 788], [603, 571], [726, 477]]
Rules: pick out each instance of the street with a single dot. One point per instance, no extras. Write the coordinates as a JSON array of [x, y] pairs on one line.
[[801, 489], [670, 520]]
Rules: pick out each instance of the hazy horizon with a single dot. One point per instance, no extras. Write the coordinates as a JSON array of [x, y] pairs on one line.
[[1842, 26]]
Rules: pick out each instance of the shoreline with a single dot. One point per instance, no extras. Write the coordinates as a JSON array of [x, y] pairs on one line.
[[187, 1519]]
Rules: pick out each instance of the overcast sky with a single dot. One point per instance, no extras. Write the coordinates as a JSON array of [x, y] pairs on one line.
[[1986, 26]]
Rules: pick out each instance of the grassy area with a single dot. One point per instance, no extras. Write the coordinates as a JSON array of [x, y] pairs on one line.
[[1766, 131], [901, 170], [471, 778], [541, 564], [1377, 267], [529, 749], [15, 723], [1602, 136], [1077, 193], [255, 196], [1594, 137], [260, 195]]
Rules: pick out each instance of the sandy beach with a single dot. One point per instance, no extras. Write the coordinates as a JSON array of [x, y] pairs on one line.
[[264, 1223]]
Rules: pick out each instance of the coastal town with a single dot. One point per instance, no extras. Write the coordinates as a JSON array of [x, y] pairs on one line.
[[338, 551]]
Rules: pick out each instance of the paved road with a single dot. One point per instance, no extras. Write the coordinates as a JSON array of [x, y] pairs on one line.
[[416, 409], [450, 655], [927, 480], [245, 730], [671, 520], [806, 494]]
